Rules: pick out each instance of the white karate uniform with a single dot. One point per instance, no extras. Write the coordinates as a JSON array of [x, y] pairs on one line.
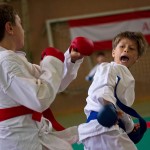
[[93, 135], [35, 87]]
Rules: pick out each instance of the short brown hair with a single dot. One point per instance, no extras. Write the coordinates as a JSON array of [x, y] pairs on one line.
[[135, 36], [7, 14]]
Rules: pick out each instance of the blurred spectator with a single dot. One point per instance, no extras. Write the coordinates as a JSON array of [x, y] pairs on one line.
[[100, 58]]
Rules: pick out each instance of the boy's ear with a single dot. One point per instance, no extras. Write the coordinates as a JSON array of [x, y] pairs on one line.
[[9, 27], [113, 53]]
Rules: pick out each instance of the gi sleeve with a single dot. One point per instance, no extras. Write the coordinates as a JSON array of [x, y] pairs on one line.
[[103, 84], [128, 122], [70, 71]]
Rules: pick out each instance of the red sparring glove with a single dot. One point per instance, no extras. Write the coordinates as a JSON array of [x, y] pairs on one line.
[[82, 45], [51, 51]]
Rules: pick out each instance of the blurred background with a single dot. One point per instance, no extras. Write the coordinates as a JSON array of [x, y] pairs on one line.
[[56, 22]]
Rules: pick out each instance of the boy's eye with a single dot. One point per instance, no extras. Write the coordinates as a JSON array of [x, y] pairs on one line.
[[132, 48], [121, 46]]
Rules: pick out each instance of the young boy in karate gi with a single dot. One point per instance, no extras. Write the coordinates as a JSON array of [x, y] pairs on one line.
[[27, 90], [128, 47]]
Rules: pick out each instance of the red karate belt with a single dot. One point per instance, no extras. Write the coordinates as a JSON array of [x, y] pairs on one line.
[[8, 113], [49, 115]]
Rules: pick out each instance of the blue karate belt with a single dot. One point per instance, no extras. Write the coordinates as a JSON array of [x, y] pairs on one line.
[[134, 136], [92, 116]]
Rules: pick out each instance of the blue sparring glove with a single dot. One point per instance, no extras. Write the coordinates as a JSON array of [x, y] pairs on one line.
[[51, 51], [107, 116]]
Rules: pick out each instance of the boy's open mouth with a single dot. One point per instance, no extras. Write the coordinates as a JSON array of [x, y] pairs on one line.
[[124, 59]]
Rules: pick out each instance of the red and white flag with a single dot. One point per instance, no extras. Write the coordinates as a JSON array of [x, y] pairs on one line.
[[102, 29]]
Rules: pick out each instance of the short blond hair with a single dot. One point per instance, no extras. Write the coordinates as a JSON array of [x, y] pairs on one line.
[[138, 37]]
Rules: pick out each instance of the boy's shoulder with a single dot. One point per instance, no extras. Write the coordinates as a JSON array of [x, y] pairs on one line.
[[113, 67], [5, 53], [121, 70], [8, 55], [118, 66]]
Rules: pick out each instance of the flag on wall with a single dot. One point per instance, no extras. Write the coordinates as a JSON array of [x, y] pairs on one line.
[[102, 29]]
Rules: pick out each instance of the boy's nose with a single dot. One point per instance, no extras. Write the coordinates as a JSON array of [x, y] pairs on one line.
[[126, 50]]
